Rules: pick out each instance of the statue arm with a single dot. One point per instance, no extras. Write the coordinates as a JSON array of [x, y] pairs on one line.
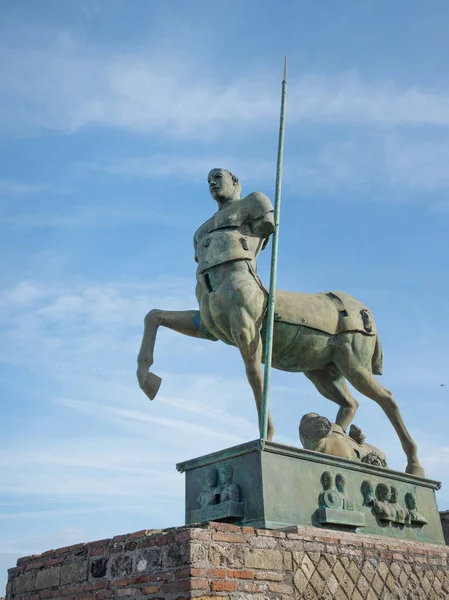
[[260, 214], [264, 225]]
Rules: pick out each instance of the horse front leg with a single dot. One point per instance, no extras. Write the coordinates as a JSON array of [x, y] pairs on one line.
[[187, 322]]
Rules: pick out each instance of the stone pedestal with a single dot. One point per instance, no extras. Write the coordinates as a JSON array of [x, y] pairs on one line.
[[221, 560], [268, 485]]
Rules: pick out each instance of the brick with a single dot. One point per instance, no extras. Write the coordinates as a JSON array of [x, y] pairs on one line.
[[240, 574], [223, 586], [119, 538], [139, 534], [120, 583], [270, 576], [225, 527], [130, 546], [150, 589], [200, 534], [51, 562], [229, 537], [248, 530], [140, 579], [199, 584], [122, 592], [209, 572], [270, 533], [35, 564]]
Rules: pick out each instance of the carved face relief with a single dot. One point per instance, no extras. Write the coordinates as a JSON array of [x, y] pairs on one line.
[[340, 482], [383, 492], [226, 473], [410, 501], [212, 477], [326, 480]]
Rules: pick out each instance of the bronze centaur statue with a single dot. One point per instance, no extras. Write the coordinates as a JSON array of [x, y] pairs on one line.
[[329, 337]]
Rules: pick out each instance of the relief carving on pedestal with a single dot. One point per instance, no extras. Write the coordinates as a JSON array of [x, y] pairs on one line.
[[222, 497], [383, 501], [336, 504]]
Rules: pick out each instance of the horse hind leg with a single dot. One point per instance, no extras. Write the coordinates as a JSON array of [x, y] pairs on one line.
[[247, 338], [332, 385], [363, 380]]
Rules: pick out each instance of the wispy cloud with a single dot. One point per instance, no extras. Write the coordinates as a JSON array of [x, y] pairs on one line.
[[73, 85], [369, 164], [17, 188]]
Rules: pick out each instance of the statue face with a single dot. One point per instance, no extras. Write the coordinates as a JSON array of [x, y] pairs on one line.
[[212, 477], [225, 475], [384, 492], [340, 483], [410, 501], [221, 184], [326, 479]]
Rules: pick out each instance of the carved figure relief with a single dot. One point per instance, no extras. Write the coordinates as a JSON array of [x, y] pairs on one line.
[[414, 515], [222, 497], [212, 494], [336, 504], [384, 504]]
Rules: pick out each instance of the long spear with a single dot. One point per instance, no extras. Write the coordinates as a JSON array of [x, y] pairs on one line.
[[274, 258]]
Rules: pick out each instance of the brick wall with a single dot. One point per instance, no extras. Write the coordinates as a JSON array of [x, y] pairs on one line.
[[218, 560]]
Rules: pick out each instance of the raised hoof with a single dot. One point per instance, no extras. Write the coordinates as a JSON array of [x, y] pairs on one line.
[[415, 469], [151, 385]]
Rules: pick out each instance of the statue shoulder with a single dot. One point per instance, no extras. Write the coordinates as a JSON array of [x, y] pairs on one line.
[[258, 204]]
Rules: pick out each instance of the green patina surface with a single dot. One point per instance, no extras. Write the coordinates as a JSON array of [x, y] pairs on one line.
[[280, 486]]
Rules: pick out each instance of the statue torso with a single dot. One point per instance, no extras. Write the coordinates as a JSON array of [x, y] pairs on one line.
[[228, 235]]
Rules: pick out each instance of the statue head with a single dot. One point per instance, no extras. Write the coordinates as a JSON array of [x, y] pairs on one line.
[[340, 482], [212, 477], [223, 185], [383, 492], [326, 480], [226, 473], [410, 501], [394, 494], [313, 427]]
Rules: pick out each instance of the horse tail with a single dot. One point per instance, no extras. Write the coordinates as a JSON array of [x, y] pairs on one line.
[[377, 360]]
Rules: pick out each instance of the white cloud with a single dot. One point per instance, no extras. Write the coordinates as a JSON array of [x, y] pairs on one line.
[[72, 85]]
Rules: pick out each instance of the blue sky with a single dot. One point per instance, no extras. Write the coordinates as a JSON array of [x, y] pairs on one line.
[[111, 115]]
